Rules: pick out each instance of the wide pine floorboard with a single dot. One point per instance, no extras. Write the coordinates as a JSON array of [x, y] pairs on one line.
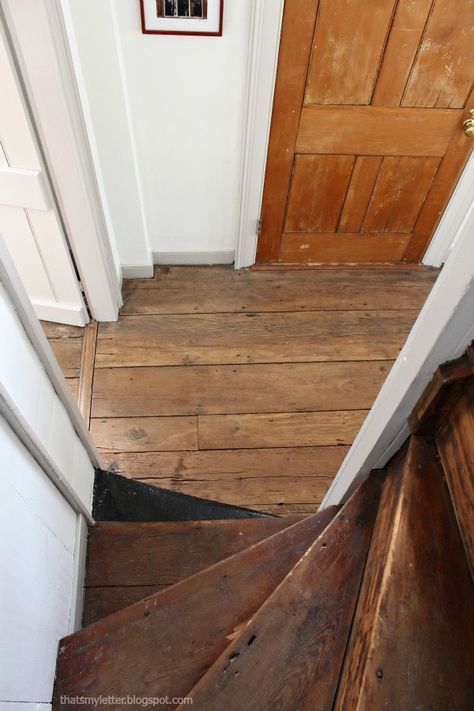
[[247, 387]]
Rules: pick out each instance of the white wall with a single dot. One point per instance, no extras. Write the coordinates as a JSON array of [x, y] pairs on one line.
[[37, 540], [29, 395], [171, 109], [46, 481]]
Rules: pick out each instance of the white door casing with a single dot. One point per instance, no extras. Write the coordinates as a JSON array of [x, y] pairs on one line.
[[29, 221]]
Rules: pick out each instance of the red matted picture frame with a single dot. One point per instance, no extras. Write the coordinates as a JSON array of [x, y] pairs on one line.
[[182, 17]]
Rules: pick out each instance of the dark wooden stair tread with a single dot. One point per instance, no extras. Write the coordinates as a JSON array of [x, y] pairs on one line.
[[164, 644], [412, 642], [290, 654], [129, 561]]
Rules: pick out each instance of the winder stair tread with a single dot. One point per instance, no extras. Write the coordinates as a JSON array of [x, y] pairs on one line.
[[167, 641], [129, 561], [290, 654]]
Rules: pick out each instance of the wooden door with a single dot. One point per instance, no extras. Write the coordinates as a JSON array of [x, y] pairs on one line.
[[29, 222], [367, 138]]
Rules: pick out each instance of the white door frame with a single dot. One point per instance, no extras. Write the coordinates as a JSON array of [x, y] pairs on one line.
[[39, 42], [264, 43]]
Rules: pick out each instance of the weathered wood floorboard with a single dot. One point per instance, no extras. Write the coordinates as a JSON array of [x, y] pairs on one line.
[[245, 387]]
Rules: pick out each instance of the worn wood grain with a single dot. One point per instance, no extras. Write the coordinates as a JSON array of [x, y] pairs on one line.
[[455, 440], [310, 429], [318, 188], [348, 44], [84, 397], [248, 491], [213, 390], [360, 190], [376, 130], [294, 52], [141, 647], [99, 602], [253, 338], [413, 634], [400, 51], [441, 74], [162, 554], [145, 434], [66, 342], [68, 354], [188, 290], [73, 384], [287, 509], [290, 654], [401, 189], [324, 248], [226, 464]]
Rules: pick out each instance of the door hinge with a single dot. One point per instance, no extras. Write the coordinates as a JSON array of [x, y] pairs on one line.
[[259, 225]]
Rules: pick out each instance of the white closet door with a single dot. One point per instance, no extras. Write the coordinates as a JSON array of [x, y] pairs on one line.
[[29, 222]]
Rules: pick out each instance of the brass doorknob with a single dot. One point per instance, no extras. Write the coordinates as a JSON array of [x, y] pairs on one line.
[[469, 125]]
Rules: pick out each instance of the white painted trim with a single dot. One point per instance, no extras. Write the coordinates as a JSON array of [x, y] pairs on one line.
[[79, 575], [19, 298], [76, 316], [35, 447], [443, 238], [40, 42], [23, 188], [264, 45], [137, 271], [194, 258], [442, 331]]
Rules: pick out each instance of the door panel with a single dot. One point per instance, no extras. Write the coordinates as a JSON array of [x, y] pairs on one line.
[[373, 130], [400, 191], [362, 184], [442, 73], [29, 222], [367, 139], [317, 192], [400, 52], [348, 44]]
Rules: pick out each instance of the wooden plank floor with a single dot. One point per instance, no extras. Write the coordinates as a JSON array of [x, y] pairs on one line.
[[66, 342], [247, 387]]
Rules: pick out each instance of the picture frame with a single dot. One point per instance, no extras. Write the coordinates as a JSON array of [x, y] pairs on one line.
[[182, 17]]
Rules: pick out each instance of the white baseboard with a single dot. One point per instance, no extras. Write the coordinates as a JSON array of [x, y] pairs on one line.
[[194, 258], [80, 551], [137, 271], [61, 314]]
